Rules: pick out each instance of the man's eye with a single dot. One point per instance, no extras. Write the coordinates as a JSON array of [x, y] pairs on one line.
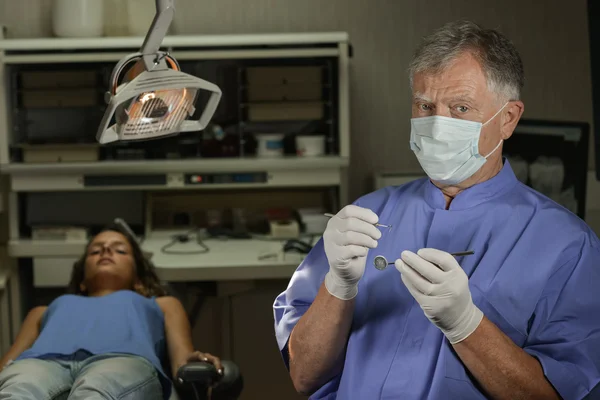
[[425, 107], [93, 252], [462, 109], [121, 251]]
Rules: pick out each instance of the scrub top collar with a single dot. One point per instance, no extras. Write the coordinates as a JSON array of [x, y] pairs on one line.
[[500, 184]]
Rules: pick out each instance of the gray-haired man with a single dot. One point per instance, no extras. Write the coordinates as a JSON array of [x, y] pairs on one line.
[[518, 319]]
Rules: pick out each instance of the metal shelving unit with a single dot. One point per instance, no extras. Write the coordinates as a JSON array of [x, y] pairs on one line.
[[329, 50]]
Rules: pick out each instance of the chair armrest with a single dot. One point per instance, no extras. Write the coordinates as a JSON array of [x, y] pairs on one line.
[[204, 375], [199, 373]]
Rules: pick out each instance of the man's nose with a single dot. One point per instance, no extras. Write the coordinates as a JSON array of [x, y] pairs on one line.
[[442, 112]]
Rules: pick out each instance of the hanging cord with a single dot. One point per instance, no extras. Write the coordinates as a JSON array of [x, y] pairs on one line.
[[184, 238]]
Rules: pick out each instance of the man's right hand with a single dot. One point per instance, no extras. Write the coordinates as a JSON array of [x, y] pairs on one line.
[[347, 240]]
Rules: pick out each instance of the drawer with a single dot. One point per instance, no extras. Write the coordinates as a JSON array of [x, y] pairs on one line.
[[59, 153], [52, 271], [294, 91], [59, 98], [285, 111], [58, 79], [283, 75]]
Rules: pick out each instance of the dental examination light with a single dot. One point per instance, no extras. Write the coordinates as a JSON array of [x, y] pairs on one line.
[[156, 97]]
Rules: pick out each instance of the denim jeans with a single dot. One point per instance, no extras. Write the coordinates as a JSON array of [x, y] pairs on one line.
[[110, 376]]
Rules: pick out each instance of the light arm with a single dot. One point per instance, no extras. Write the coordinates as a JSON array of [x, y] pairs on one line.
[[27, 336], [165, 10], [178, 332]]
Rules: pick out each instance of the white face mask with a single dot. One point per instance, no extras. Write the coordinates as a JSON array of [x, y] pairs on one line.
[[448, 148]]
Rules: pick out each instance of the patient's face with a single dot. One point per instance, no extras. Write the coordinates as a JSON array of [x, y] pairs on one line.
[[110, 259]]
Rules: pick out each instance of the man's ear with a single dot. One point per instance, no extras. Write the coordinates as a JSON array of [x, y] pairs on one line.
[[82, 287], [511, 117]]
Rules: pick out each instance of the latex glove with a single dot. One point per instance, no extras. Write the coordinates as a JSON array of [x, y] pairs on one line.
[[347, 239], [441, 287]]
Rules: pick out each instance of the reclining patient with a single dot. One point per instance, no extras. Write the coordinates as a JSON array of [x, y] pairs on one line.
[[106, 339]]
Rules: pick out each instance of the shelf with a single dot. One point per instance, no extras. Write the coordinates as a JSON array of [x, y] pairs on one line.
[[234, 40], [181, 55], [207, 165], [48, 248], [182, 47], [252, 259], [282, 172]]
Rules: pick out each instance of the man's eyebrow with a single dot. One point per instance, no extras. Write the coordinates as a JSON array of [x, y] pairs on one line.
[[421, 97], [463, 97]]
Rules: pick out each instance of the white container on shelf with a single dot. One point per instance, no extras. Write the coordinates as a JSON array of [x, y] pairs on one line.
[[310, 146], [78, 18], [270, 145]]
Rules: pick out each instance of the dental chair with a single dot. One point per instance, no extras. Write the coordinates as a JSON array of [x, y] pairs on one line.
[[195, 378]]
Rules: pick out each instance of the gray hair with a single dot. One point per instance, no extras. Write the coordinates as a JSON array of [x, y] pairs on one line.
[[497, 56]]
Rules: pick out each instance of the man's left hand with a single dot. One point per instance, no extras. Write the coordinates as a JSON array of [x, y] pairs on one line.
[[441, 287]]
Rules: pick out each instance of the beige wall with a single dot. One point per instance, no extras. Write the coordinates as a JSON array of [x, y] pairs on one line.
[[551, 37], [550, 34]]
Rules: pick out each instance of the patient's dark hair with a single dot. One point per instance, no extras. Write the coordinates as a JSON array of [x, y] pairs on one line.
[[144, 269]]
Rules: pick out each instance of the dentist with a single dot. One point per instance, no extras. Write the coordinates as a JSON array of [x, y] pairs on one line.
[[519, 319]]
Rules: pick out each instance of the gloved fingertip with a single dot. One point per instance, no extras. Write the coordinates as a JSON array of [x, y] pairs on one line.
[[399, 264], [426, 251], [373, 218], [406, 254]]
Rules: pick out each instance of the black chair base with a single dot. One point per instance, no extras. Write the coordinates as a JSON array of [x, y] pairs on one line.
[[195, 378]]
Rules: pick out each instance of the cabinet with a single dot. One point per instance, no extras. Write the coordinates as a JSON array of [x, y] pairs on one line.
[[51, 101]]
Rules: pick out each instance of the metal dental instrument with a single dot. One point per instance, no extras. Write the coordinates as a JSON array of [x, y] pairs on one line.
[[381, 225], [381, 263]]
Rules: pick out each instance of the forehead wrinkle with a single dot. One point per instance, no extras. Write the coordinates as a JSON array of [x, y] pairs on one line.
[[449, 84], [448, 92], [462, 97]]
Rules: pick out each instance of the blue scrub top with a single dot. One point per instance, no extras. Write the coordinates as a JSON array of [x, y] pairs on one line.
[[535, 274]]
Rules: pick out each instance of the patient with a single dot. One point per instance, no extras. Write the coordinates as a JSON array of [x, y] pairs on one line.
[[106, 339]]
